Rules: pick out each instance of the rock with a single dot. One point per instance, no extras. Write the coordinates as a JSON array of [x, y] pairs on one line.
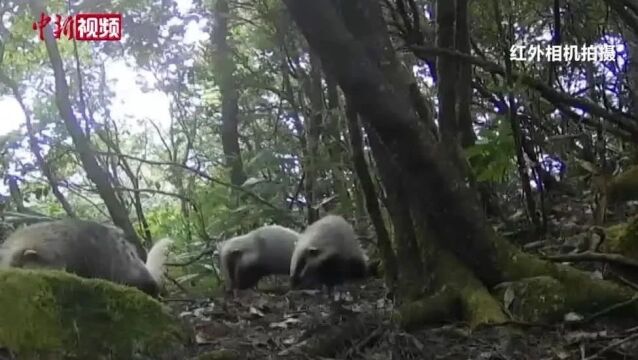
[[54, 314]]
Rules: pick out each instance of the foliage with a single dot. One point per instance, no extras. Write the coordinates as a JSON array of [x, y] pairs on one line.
[[492, 157]]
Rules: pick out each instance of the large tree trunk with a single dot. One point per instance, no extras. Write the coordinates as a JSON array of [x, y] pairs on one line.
[[96, 174], [434, 183], [225, 76]]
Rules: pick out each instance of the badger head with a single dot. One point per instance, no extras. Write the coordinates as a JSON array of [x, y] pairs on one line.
[[316, 265], [325, 266], [145, 282], [34, 259]]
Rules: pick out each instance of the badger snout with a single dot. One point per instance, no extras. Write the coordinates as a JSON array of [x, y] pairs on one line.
[[295, 281]]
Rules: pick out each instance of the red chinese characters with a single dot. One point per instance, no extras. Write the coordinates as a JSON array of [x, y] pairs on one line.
[[83, 27]]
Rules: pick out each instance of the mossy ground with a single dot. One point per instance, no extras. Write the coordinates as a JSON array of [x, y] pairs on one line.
[[53, 313]]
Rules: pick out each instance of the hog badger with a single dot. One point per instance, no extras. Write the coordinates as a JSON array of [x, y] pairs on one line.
[[87, 249], [327, 253], [245, 259]]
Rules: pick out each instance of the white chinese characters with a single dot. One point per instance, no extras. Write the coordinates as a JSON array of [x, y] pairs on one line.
[[563, 53]]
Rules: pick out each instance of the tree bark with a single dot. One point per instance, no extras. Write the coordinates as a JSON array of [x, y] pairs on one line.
[[225, 76], [370, 195], [373, 34], [95, 173], [447, 73], [464, 81], [313, 127], [410, 268], [338, 151], [137, 198]]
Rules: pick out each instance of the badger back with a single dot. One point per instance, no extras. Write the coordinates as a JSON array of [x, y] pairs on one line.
[[275, 245], [85, 248], [327, 253], [245, 259]]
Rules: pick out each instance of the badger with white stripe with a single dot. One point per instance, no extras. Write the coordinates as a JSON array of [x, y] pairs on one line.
[[245, 259], [87, 249], [327, 253]]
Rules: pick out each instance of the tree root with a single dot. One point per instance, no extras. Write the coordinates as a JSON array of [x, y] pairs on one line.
[[442, 306], [543, 281], [461, 295]]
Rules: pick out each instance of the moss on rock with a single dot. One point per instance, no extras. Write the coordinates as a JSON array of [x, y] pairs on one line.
[[540, 298], [46, 313]]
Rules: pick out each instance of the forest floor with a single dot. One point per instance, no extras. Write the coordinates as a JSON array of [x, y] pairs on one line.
[[307, 325]]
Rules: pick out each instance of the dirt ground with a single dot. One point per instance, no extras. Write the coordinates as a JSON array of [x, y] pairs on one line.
[[307, 325]]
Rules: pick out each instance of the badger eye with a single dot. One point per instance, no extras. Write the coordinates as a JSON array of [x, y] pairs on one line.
[[313, 251]]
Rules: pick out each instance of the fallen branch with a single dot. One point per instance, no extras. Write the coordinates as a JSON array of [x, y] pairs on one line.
[[609, 309], [611, 346], [594, 256]]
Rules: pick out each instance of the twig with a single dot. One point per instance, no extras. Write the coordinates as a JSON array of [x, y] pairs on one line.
[[614, 344], [196, 258], [610, 309], [631, 284], [176, 283], [595, 256]]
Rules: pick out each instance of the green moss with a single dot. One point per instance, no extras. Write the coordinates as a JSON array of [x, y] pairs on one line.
[[442, 306], [624, 186], [622, 239], [613, 236], [540, 298], [219, 355], [56, 313]]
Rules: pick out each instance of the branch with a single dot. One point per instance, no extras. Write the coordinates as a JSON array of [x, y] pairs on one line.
[[155, 191], [251, 194], [35, 147], [595, 256], [196, 258]]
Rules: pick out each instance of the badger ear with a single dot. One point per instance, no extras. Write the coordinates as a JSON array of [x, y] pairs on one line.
[[313, 251], [30, 255]]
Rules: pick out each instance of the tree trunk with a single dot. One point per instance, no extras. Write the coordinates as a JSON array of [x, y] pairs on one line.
[[411, 267], [225, 77], [94, 172], [371, 202], [432, 181], [464, 81], [337, 149], [313, 127], [137, 196], [374, 35], [447, 73]]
